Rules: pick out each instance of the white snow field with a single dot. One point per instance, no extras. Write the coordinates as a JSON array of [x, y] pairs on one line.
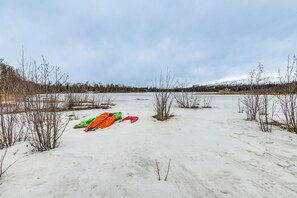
[[214, 153]]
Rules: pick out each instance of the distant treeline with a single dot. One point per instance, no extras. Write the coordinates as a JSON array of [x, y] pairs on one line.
[[233, 88], [115, 88], [8, 73]]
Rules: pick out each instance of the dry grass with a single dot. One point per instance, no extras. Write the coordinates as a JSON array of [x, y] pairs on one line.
[[57, 109], [276, 123], [7, 105], [7, 97], [162, 118], [193, 107], [47, 101], [229, 92], [89, 105], [281, 125]]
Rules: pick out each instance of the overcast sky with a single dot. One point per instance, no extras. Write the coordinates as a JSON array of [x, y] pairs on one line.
[[131, 41]]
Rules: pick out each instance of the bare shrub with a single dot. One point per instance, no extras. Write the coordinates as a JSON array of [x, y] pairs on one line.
[[163, 97], [206, 101], [11, 129], [184, 99], [257, 103], [70, 100], [74, 100], [266, 113], [44, 117], [288, 98], [88, 101], [240, 105], [251, 98], [107, 100], [95, 100]]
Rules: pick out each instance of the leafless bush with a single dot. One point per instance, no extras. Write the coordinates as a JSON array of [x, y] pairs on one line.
[[88, 100], [70, 100], [288, 99], [44, 117], [185, 99], [11, 129], [240, 105], [257, 103], [206, 101], [76, 99], [266, 113], [107, 99], [163, 98], [251, 99], [94, 100], [45, 128]]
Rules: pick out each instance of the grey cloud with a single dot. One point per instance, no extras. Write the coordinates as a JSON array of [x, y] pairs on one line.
[[131, 42]]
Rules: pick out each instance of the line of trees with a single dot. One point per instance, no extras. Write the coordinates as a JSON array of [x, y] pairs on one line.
[[8, 72]]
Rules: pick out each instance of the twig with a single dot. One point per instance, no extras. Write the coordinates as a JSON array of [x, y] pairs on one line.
[[158, 170], [167, 170], [1, 164]]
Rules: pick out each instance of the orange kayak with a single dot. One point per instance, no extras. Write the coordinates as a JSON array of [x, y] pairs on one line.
[[104, 120]]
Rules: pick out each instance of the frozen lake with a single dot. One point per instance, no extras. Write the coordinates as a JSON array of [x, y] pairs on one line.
[[214, 152]]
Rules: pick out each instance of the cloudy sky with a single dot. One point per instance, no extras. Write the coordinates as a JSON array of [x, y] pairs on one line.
[[131, 41]]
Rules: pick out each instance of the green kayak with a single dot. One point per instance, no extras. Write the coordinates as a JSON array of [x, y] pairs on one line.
[[84, 123], [118, 115]]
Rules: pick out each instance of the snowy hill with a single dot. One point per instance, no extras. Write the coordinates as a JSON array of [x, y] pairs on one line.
[[245, 81]]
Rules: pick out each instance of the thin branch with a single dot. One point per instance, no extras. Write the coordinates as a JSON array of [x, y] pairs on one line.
[[158, 170], [167, 170], [1, 164]]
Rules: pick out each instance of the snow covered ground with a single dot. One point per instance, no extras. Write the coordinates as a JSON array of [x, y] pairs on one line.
[[214, 153]]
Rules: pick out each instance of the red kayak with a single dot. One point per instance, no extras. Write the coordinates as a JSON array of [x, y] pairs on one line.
[[131, 118]]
